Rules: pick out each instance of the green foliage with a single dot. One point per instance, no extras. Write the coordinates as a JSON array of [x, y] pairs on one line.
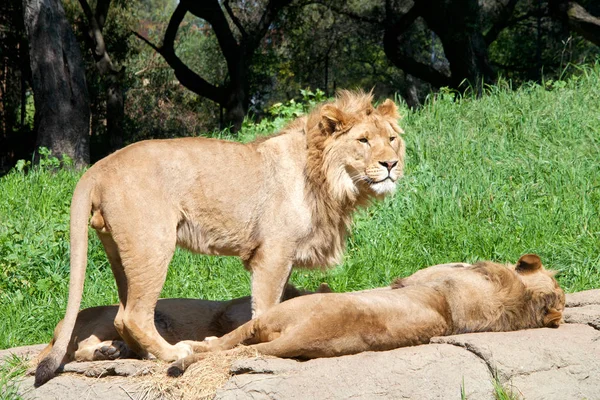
[[325, 49], [279, 114], [156, 104], [526, 51], [490, 178]]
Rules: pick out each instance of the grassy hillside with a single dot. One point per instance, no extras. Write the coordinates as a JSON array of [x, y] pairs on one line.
[[490, 178]]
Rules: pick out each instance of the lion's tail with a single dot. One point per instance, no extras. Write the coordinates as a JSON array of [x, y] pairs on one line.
[[81, 206]]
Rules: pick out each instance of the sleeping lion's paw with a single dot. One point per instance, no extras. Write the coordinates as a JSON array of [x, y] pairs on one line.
[[115, 350]]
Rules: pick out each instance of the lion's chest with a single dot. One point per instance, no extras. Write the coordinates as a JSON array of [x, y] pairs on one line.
[[321, 248]]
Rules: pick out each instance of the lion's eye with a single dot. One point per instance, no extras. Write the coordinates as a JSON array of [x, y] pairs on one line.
[[363, 140], [392, 138]]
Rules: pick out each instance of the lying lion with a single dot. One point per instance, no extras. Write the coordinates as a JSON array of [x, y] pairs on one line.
[[441, 300], [96, 338], [278, 202]]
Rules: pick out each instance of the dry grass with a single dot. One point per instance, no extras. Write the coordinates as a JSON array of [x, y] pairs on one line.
[[200, 381]]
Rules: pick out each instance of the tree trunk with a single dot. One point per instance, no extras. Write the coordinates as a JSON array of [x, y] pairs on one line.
[[577, 18], [62, 110], [235, 112], [410, 94], [456, 22], [238, 100], [115, 112]]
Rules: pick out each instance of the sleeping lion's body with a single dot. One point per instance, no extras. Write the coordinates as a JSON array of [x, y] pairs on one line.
[[440, 300]]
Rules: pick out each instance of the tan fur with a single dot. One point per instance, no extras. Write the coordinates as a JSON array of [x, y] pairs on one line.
[[440, 300], [276, 203], [95, 337]]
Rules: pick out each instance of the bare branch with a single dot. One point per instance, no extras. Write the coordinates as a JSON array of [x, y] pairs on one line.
[[101, 56], [184, 74], [148, 42], [408, 64], [503, 21], [235, 19], [211, 12], [102, 12], [578, 19]]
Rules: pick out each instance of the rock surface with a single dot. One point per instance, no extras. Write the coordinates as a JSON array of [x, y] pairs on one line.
[[561, 363], [437, 370]]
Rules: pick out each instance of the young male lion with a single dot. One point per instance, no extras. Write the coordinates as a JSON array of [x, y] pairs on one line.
[[440, 300], [278, 202], [95, 337]]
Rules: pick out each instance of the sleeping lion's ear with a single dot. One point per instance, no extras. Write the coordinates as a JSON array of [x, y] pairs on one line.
[[528, 263], [553, 318], [333, 119], [324, 288], [388, 109]]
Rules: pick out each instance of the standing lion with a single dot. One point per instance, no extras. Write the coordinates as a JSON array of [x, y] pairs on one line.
[[278, 202]]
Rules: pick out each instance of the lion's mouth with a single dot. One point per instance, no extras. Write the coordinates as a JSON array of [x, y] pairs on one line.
[[383, 186], [372, 181]]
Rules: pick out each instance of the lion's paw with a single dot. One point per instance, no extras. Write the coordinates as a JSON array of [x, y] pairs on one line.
[[197, 347], [177, 368], [183, 349]]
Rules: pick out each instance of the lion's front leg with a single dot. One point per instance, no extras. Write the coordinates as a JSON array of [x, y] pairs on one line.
[[271, 268]]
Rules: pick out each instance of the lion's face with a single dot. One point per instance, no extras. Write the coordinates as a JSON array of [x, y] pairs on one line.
[[374, 156], [364, 152]]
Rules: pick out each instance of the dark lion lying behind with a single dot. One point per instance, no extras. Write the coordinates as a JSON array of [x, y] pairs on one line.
[[95, 337], [441, 300]]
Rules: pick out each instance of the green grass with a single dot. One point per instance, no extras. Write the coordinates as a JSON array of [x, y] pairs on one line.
[[501, 392], [490, 178], [504, 392], [12, 370]]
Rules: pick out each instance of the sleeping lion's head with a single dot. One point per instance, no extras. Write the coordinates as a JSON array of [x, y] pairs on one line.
[[544, 289], [357, 147]]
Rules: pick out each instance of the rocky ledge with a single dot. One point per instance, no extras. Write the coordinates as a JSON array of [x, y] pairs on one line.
[[561, 363]]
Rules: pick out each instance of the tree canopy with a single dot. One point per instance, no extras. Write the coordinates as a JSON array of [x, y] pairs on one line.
[[161, 68]]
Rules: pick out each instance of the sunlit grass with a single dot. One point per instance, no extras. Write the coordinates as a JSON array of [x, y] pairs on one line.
[[491, 178], [12, 370]]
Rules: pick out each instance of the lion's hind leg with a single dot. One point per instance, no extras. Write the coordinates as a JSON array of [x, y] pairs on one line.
[[114, 258], [140, 269]]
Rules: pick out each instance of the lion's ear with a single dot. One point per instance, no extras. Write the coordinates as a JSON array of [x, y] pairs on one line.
[[528, 263], [388, 109], [333, 119], [324, 288], [553, 318]]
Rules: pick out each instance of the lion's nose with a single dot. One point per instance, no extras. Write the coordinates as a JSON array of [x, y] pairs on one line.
[[388, 164]]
